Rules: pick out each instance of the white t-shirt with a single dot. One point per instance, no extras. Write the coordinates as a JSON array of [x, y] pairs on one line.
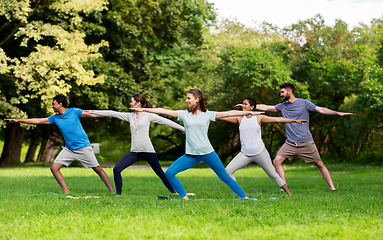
[[196, 129], [250, 135]]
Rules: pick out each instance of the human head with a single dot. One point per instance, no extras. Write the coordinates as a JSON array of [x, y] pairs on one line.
[[195, 100], [59, 102], [140, 99], [287, 89], [61, 99], [249, 104]]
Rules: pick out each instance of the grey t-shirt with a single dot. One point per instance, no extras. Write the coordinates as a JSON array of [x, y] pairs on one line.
[[299, 109], [140, 134]]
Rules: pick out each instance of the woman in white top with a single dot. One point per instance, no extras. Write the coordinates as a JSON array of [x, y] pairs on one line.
[[141, 146], [198, 147], [252, 147]]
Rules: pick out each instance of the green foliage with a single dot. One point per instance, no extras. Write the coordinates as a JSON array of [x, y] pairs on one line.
[[41, 52], [140, 31], [332, 61], [141, 35], [353, 211], [101, 53], [249, 71], [371, 94]]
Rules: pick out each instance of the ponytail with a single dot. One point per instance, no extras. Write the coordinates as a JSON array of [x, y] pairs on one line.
[[148, 104], [141, 99]]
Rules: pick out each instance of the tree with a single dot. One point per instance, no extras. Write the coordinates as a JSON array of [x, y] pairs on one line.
[[48, 58], [144, 37]]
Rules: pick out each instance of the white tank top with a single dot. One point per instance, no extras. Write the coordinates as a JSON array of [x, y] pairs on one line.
[[250, 135]]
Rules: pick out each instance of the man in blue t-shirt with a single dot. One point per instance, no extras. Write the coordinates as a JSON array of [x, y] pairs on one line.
[[77, 146], [299, 139]]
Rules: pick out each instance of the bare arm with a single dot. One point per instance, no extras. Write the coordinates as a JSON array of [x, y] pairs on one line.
[[267, 119], [232, 119], [234, 113], [164, 111], [86, 113], [264, 107], [326, 111], [31, 120]]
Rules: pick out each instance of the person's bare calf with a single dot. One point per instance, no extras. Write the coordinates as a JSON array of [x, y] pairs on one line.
[[55, 169], [325, 173], [103, 177]]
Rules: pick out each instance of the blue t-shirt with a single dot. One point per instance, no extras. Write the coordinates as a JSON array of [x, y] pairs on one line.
[[299, 109], [196, 129], [71, 128]]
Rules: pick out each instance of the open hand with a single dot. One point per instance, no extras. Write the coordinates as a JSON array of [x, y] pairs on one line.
[[344, 114], [256, 113], [137, 109], [301, 121], [12, 120]]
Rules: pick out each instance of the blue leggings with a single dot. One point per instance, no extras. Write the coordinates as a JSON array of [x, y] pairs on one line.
[[212, 160], [132, 157]]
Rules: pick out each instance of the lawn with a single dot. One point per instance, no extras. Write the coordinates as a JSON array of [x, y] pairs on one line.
[[29, 210]]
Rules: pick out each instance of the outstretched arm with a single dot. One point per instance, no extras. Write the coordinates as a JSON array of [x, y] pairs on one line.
[[31, 120], [234, 113], [326, 111], [109, 113], [267, 119], [86, 113], [264, 107], [232, 119], [161, 120], [164, 111]]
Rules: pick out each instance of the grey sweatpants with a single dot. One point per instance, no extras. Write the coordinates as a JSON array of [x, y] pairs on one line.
[[262, 159]]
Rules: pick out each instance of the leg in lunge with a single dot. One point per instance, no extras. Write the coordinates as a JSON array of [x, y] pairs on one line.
[[264, 161], [55, 169], [279, 168], [152, 159], [238, 162], [325, 173], [103, 177], [125, 162], [181, 164], [213, 161]]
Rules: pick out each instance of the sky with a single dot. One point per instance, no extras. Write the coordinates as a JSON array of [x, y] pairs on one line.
[[286, 12]]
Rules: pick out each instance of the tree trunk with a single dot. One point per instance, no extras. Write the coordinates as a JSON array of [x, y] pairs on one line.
[[49, 147], [36, 140], [325, 142], [13, 140], [363, 142]]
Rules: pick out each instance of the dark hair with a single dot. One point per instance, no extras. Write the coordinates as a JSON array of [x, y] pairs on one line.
[[252, 102], [288, 86], [61, 99], [140, 98], [201, 103]]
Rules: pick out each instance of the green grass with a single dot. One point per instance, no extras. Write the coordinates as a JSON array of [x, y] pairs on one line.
[[354, 211]]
